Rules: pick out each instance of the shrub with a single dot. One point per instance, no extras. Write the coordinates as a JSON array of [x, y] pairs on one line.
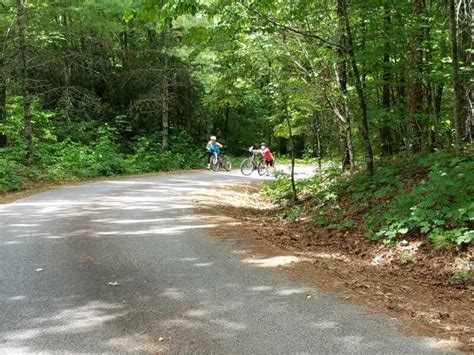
[[440, 206], [10, 179], [431, 194]]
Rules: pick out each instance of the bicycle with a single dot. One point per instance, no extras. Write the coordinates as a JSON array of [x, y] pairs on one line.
[[249, 165], [220, 160]]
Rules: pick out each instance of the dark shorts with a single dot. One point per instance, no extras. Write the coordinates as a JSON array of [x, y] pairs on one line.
[[269, 163]]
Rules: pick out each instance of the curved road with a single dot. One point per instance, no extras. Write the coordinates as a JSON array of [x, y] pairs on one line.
[[125, 267]]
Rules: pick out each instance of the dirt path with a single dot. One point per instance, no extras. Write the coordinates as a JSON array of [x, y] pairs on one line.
[[409, 282]]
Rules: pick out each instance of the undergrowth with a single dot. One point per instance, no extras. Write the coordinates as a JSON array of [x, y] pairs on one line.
[[68, 160], [431, 195]]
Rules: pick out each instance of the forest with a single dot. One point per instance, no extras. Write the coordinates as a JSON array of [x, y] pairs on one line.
[[100, 88]]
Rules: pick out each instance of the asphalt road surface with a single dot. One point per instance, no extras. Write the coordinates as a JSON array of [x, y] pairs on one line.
[[125, 266]]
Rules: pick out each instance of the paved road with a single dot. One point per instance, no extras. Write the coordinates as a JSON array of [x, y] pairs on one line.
[[125, 267]]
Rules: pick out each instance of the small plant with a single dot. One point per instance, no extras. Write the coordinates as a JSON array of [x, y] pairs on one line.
[[292, 213], [406, 256], [462, 275]]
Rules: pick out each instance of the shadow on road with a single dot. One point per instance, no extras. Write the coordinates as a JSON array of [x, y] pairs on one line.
[[126, 266]]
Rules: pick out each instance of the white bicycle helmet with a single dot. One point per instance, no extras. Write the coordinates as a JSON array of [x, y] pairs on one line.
[[213, 138]]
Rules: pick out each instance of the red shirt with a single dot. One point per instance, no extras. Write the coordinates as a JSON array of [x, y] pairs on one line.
[[267, 155]]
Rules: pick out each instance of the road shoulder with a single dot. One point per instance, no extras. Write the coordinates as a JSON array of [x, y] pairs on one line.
[[366, 275]]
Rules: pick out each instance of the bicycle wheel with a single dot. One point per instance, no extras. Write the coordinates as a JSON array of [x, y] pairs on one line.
[[262, 169], [215, 164], [247, 167], [226, 163]]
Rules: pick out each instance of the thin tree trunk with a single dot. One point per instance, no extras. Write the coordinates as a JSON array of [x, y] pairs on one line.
[[226, 120], [369, 159], [466, 30], [318, 141], [401, 101], [385, 131], [437, 104], [458, 92], [292, 152], [165, 108], [3, 100], [341, 73], [66, 71], [25, 85], [416, 92]]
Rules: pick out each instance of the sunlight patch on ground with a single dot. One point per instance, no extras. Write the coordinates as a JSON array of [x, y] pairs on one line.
[[445, 344], [261, 288], [138, 221], [136, 344], [13, 242], [129, 182], [197, 313], [404, 250], [24, 225], [79, 319], [275, 261], [173, 294], [17, 298], [158, 231], [204, 264], [292, 291], [333, 256], [54, 237], [324, 325]]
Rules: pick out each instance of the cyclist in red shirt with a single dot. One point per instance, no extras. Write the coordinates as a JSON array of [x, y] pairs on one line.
[[266, 154]]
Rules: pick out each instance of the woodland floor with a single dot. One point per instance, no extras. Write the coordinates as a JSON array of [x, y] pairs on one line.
[[410, 282]]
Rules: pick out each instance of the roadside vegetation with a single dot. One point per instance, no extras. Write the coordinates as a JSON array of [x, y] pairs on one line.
[[407, 196]]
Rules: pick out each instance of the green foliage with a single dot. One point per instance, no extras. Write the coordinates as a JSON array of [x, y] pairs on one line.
[[10, 179], [462, 275], [68, 160], [432, 194], [292, 213], [440, 206]]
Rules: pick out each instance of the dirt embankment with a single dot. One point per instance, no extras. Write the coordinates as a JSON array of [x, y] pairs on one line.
[[429, 291]]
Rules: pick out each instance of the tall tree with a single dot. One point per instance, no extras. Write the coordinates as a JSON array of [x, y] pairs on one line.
[[457, 83], [3, 99], [341, 76], [385, 131], [25, 80], [369, 157], [416, 89]]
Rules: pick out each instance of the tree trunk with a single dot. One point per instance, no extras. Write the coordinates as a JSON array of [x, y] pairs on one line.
[[3, 100], [416, 91], [385, 131], [470, 90], [292, 152], [458, 92], [25, 84], [437, 104], [347, 150], [369, 159], [467, 43], [67, 104], [165, 108], [318, 141], [226, 120]]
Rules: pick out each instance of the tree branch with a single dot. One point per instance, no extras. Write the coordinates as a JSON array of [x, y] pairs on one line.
[[291, 29]]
